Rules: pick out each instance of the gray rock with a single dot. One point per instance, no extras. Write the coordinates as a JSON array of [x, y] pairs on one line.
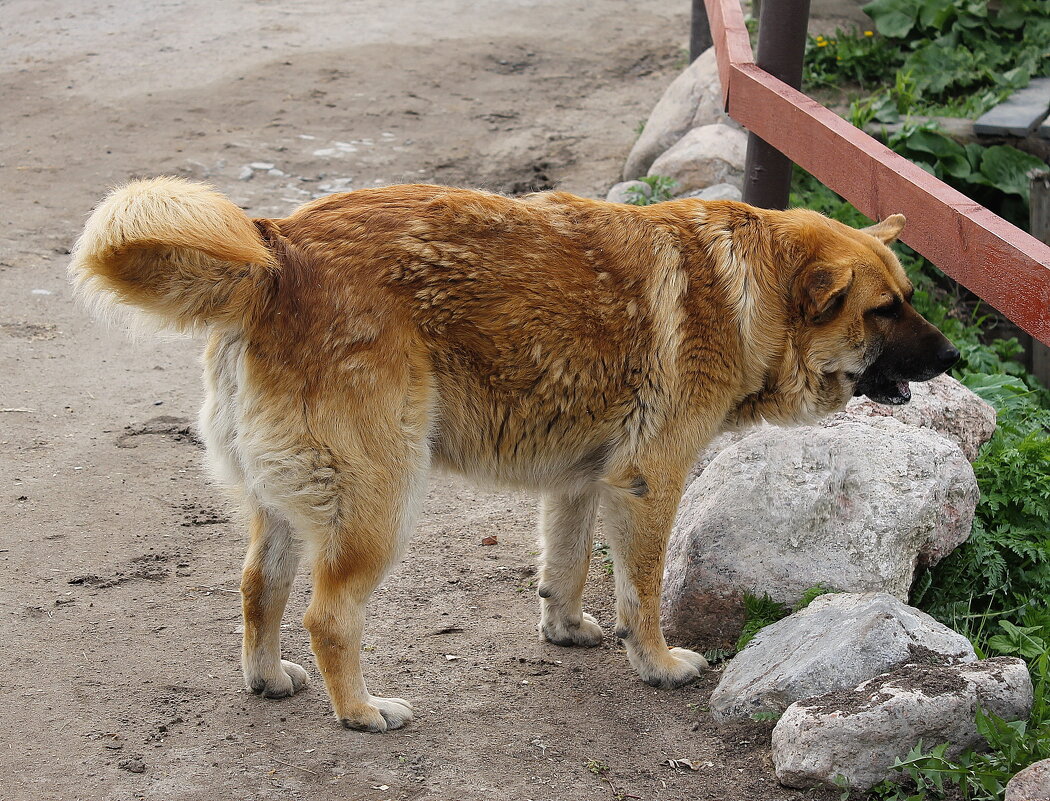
[[710, 154], [835, 643], [1030, 784], [624, 191], [246, 173], [716, 192], [859, 733], [857, 507], [720, 443], [943, 404], [694, 98]]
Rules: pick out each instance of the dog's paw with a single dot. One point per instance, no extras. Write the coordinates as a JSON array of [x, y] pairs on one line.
[[287, 680], [377, 715], [586, 633], [679, 667]]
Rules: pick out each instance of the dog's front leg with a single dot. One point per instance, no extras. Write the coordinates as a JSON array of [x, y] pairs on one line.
[[640, 526], [567, 531]]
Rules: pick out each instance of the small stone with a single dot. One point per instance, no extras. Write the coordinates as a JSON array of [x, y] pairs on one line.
[[716, 192], [246, 173], [693, 99], [710, 154], [943, 405], [133, 765], [261, 165]]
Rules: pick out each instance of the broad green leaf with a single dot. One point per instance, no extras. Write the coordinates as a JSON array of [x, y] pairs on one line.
[[1007, 168], [936, 13], [894, 18]]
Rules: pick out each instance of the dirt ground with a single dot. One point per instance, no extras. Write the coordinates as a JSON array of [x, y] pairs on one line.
[[119, 611]]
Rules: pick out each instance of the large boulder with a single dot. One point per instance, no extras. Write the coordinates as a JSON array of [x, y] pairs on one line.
[[835, 643], [694, 98], [1030, 784], [858, 507], [858, 734], [710, 154], [943, 405]]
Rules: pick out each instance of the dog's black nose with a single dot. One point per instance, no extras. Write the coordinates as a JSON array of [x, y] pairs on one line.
[[948, 355]]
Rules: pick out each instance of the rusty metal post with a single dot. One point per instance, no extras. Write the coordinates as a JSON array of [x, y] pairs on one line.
[[781, 47], [699, 31]]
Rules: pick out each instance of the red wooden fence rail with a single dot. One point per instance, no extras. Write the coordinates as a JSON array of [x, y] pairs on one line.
[[1000, 263]]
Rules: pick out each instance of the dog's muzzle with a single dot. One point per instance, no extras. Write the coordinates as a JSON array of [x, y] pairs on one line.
[[886, 382]]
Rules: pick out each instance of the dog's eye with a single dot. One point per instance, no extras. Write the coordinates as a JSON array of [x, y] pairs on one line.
[[888, 310]]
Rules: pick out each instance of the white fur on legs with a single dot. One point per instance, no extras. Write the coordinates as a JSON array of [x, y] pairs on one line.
[[269, 570], [567, 531]]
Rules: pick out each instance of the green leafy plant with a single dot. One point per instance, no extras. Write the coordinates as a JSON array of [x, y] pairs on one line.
[[995, 176], [957, 57], [661, 188], [761, 611]]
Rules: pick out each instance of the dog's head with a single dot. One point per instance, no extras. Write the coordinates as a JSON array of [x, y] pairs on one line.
[[855, 325]]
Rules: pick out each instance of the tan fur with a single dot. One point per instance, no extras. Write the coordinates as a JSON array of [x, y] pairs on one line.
[[582, 349]]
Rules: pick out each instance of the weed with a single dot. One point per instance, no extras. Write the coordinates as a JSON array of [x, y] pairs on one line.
[[766, 715], [602, 550], [661, 188], [760, 612], [597, 767]]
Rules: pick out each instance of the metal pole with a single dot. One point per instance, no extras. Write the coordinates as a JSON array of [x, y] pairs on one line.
[[781, 47], [699, 31]]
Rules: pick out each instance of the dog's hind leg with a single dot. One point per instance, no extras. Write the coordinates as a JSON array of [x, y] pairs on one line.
[[639, 528], [567, 532], [352, 556], [269, 569]]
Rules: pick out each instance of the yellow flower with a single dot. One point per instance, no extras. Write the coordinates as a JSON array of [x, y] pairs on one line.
[[869, 33], [822, 44]]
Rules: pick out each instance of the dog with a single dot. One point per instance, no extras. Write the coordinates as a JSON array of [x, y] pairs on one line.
[[584, 349]]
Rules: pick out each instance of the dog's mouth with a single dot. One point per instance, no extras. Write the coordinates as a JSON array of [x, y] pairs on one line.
[[880, 388]]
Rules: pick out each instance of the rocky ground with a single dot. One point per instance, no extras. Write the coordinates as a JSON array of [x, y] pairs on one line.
[[119, 614]]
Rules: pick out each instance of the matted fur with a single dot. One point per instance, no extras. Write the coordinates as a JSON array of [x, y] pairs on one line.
[[582, 349]]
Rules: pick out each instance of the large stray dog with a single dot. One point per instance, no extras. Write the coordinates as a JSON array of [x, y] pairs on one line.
[[583, 349]]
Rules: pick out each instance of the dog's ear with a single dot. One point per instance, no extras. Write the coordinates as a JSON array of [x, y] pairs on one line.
[[822, 290], [888, 230]]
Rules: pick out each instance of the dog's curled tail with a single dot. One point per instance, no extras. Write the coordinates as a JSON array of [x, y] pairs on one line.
[[176, 250]]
